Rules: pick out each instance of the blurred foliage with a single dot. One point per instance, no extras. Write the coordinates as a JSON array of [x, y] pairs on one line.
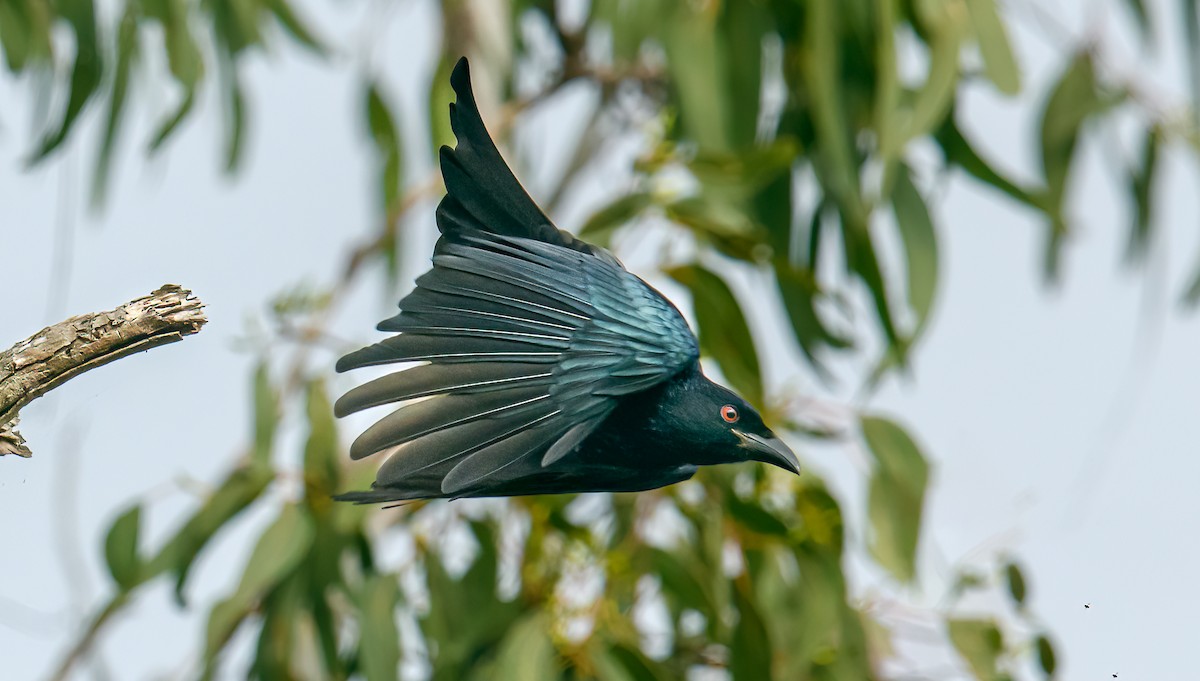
[[778, 140]]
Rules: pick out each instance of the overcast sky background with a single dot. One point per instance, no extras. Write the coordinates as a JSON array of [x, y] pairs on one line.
[[1061, 423]]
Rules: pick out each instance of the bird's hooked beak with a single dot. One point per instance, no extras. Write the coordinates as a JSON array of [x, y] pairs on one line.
[[769, 450]]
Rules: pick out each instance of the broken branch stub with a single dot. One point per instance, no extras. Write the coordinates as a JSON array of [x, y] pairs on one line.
[[60, 352]]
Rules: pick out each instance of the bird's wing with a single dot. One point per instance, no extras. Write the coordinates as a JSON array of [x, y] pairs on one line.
[[528, 346], [481, 191]]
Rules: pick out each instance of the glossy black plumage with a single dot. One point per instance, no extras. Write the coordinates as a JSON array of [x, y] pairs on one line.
[[548, 367]]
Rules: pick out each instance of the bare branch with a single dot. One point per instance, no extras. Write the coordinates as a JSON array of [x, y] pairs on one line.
[[60, 352]]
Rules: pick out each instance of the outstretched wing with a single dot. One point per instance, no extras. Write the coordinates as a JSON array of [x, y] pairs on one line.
[[527, 347]]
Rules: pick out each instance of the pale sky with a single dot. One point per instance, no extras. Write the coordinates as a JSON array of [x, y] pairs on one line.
[[1057, 421]]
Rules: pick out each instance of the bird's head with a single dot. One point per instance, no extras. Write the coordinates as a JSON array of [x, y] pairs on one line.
[[726, 428]]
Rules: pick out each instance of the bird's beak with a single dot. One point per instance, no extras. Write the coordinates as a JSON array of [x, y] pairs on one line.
[[769, 450]]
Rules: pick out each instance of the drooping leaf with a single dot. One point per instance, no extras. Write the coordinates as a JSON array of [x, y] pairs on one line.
[[380, 642], [979, 643], [1075, 97], [698, 69], [741, 29], [754, 517], [920, 247], [724, 334], [896, 496], [121, 549], [1016, 583], [621, 662], [266, 414], [959, 151], [799, 292], [1046, 657], [998, 61], [440, 97], [934, 98], [279, 550], [294, 25], [235, 121], [87, 72], [527, 652], [386, 138], [322, 472], [233, 494], [127, 49], [751, 653], [1141, 186]]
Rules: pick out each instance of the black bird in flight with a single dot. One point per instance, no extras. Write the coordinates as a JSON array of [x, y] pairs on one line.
[[548, 368]]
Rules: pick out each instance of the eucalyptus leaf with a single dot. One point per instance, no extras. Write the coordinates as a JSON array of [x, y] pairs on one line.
[[724, 334], [121, 549], [979, 643], [998, 60], [280, 550], [896, 496], [380, 635], [751, 653]]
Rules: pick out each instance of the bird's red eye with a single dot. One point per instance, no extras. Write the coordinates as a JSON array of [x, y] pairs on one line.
[[729, 413]]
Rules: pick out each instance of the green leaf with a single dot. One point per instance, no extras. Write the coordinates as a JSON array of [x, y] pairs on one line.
[[171, 123], [127, 49], [440, 97], [279, 551], [799, 292], [235, 121], [754, 517], [293, 25], [184, 59], [1016, 583], [959, 151], [896, 496], [380, 643], [1074, 99], [121, 549], [266, 414], [527, 652], [724, 334], [698, 62], [737, 176], [980, 644], [683, 581], [934, 99], [998, 61], [751, 653], [382, 125], [601, 226], [322, 470], [920, 247], [1141, 185], [232, 496], [619, 662], [87, 72], [721, 224], [1046, 657], [741, 29]]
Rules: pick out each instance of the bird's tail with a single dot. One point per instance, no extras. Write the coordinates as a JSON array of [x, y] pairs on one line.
[[482, 194]]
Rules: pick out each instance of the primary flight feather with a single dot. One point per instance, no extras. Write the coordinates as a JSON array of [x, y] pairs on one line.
[[547, 367]]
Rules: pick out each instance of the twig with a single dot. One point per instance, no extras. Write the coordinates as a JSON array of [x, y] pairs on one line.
[[84, 644], [60, 352]]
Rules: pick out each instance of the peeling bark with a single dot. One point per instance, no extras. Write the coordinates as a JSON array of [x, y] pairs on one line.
[[60, 352]]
